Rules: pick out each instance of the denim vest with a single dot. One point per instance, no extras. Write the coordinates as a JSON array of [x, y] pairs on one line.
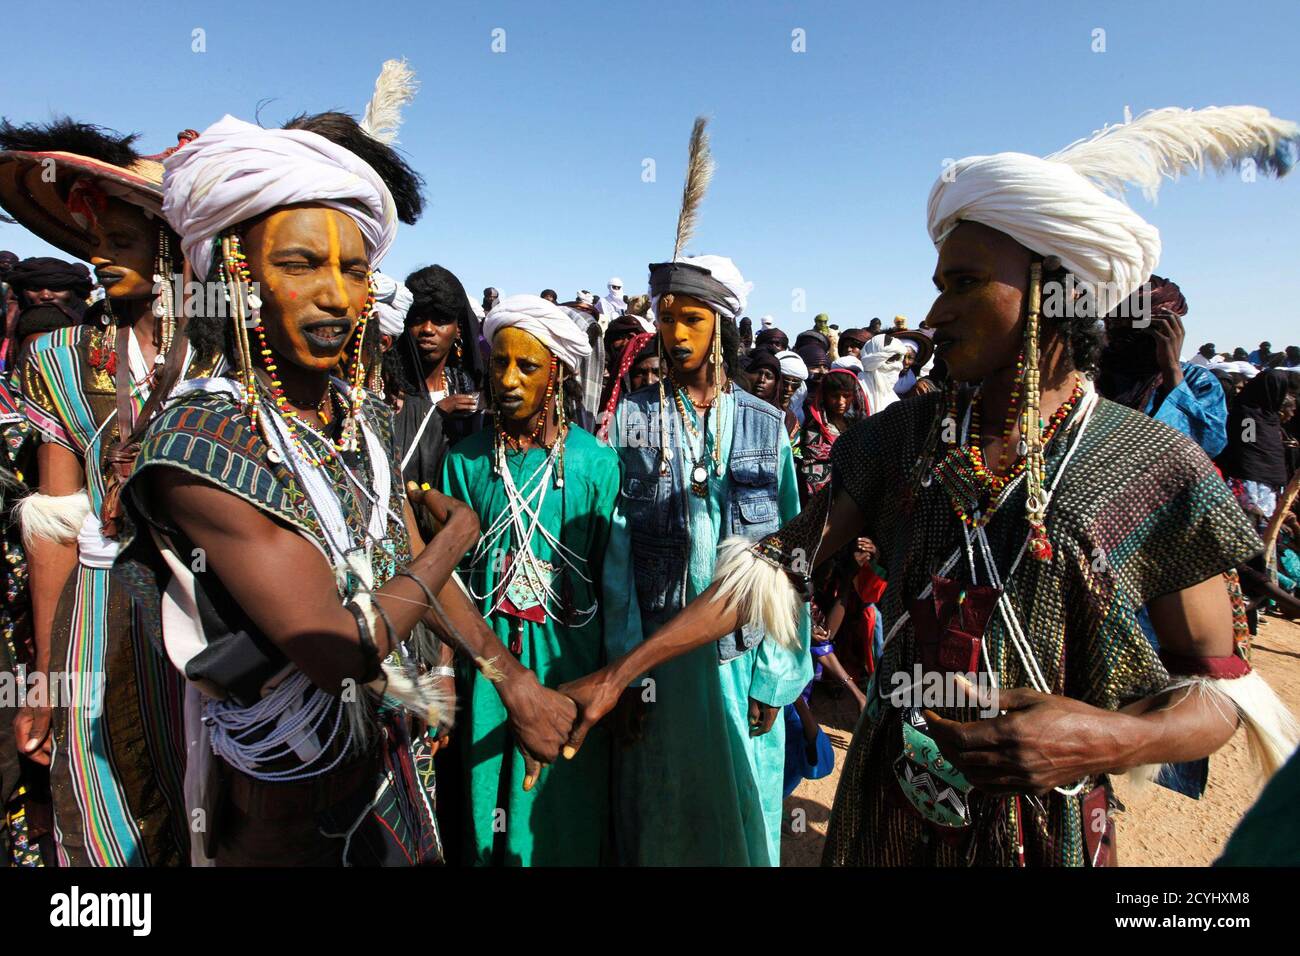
[[654, 505]]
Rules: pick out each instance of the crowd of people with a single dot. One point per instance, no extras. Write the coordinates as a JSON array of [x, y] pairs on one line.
[[309, 565]]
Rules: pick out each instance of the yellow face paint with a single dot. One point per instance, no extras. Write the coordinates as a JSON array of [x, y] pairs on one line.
[[311, 267], [686, 328], [520, 370]]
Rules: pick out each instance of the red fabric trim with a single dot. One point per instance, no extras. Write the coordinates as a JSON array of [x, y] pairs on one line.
[[1219, 668]]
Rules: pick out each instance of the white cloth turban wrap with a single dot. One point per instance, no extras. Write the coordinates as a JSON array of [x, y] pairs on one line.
[[392, 302], [792, 365], [1052, 210], [235, 171], [547, 323]]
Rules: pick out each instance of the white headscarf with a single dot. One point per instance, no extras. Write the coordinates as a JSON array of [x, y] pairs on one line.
[[234, 171], [792, 365], [882, 363], [392, 302], [544, 321]]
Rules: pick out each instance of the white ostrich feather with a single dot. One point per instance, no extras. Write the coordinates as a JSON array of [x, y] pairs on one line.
[[1164, 143], [395, 87]]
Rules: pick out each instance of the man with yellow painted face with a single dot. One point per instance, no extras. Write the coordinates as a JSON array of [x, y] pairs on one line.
[[702, 460], [544, 491], [116, 772], [271, 533]]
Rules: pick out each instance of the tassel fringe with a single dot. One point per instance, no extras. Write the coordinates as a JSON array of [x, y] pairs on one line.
[[421, 697], [760, 591], [54, 518], [1272, 732]]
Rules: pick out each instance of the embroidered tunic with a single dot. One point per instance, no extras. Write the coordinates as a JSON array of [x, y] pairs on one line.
[[1139, 513]]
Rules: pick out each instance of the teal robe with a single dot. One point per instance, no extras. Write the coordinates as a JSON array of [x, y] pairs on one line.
[[565, 818], [697, 790]]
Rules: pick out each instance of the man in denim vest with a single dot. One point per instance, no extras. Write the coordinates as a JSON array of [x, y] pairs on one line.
[[703, 460]]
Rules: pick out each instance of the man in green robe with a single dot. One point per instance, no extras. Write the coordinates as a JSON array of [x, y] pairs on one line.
[[544, 492]]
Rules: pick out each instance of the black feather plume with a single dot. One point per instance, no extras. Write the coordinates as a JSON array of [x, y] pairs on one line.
[[68, 136]]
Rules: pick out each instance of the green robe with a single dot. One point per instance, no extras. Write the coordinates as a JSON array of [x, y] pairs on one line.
[[565, 818], [697, 790]]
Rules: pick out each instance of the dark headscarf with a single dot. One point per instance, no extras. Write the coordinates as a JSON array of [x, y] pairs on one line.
[[746, 326], [7, 261], [46, 272], [1264, 458], [436, 293], [774, 339], [812, 337], [813, 354], [762, 358], [1127, 372], [850, 337], [623, 325]]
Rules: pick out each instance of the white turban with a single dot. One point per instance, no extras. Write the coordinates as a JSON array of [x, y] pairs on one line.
[[767, 322], [392, 302], [792, 365], [1066, 205], [235, 171], [544, 321], [882, 363], [1052, 210]]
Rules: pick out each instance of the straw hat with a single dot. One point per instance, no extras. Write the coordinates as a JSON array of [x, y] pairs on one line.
[[35, 182]]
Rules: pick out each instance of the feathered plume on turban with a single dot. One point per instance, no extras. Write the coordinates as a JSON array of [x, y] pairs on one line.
[[1070, 204]]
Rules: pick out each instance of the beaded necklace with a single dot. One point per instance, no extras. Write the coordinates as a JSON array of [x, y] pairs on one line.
[[967, 468]]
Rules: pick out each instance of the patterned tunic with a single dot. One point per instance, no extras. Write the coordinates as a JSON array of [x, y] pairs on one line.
[[1140, 513], [207, 435], [116, 771]]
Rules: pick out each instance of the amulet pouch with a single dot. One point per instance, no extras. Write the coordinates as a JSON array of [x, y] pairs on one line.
[[948, 628]]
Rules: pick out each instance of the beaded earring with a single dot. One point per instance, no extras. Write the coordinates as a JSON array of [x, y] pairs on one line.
[[164, 307], [349, 440], [717, 392], [234, 271], [561, 427], [665, 450], [1040, 548]]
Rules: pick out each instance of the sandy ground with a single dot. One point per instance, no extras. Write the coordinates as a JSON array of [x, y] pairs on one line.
[[1160, 828]]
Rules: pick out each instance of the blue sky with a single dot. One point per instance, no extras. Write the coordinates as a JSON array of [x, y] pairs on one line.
[[534, 156]]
